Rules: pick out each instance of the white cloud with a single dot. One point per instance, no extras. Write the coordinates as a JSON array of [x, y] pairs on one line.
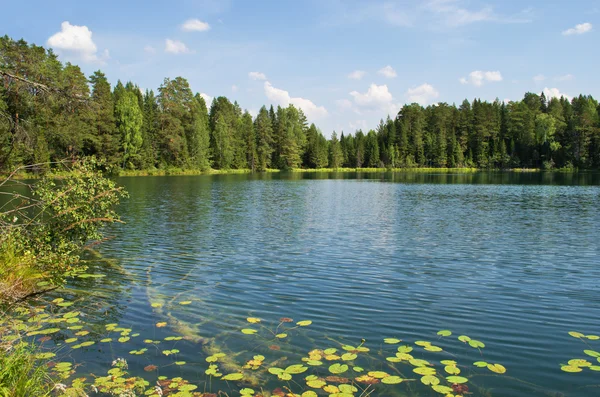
[[76, 40], [578, 29], [388, 72], [478, 78], [539, 78], [555, 93], [195, 25], [453, 15], [234, 88], [176, 47], [283, 98], [566, 77], [149, 49], [357, 75], [377, 98], [422, 94], [358, 125], [257, 76], [344, 104], [207, 98]]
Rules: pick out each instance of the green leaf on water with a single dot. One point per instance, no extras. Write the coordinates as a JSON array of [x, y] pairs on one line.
[[442, 389], [392, 341], [180, 362], [358, 369], [337, 369], [185, 303], [569, 368], [378, 374], [457, 379], [575, 334], [444, 332], [156, 305], [464, 338], [424, 371], [281, 336], [106, 340], [452, 370], [433, 348], [418, 362], [70, 340], [349, 356], [392, 380], [249, 331], [65, 304], [405, 349], [314, 362], [422, 343], [593, 337], [497, 368], [316, 384], [296, 369], [124, 339], [330, 351], [304, 323], [476, 344], [480, 364], [592, 353], [430, 380], [87, 344], [309, 393]]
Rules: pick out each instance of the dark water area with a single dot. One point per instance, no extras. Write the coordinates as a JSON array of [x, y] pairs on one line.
[[510, 259]]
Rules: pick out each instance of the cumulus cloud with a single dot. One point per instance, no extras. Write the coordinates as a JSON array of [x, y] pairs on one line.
[[284, 98], [176, 47], [388, 72], [578, 29], [539, 78], [344, 104], [76, 40], [357, 75], [207, 98], [423, 94], [257, 76], [478, 77], [377, 98], [195, 25], [555, 93]]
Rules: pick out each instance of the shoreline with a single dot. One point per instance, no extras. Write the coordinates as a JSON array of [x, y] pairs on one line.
[[191, 172]]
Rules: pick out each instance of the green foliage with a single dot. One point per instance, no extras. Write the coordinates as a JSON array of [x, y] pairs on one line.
[[45, 230]]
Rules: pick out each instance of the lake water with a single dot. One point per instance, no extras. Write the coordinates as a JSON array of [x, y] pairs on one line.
[[512, 260]]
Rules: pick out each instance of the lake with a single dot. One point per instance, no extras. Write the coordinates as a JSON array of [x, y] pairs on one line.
[[509, 259]]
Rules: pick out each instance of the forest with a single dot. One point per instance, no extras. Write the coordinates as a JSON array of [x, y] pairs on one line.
[[175, 128]]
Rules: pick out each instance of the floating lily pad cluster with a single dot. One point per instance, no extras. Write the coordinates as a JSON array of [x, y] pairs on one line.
[[591, 362], [338, 370]]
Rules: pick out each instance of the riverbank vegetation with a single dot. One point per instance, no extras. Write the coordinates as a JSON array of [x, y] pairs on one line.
[[175, 129]]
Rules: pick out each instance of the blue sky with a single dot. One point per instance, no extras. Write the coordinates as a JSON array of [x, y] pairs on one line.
[[346, 63]]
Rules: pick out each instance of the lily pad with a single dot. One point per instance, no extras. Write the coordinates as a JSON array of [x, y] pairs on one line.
[[476, 344], [392, 341], [392, 380], [304, 323], [249, 331], [497, 368], [444, 332], [253, 320], [338, 368], [457, 379], [185, 303], [430, 380]]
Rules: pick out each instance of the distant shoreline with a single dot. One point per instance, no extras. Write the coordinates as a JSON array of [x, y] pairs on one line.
[[182, 172]]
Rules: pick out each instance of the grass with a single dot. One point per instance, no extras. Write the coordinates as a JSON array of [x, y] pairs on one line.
[[20, 372]]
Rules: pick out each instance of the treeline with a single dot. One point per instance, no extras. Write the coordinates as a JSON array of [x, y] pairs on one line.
[[50, 111]]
